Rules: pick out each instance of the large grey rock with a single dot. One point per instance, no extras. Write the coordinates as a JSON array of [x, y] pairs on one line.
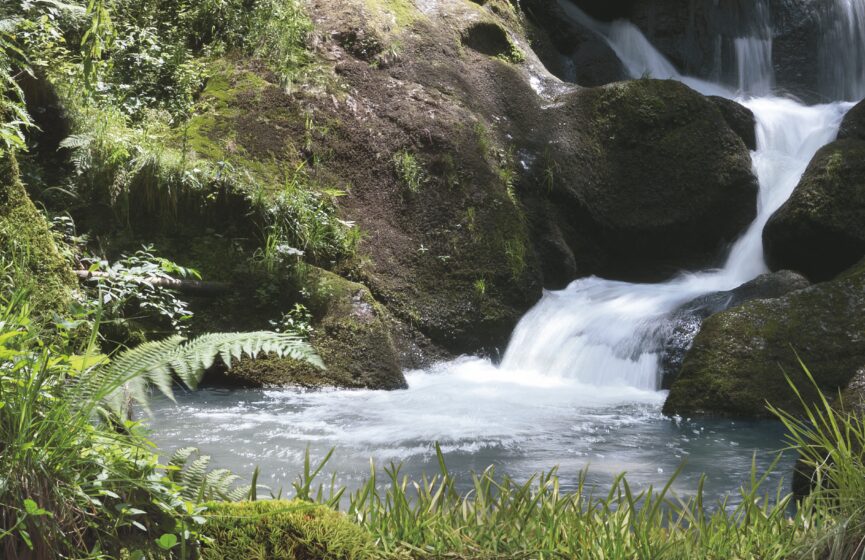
[[820, 230], [685, 323], [650, 179], [740, 358]]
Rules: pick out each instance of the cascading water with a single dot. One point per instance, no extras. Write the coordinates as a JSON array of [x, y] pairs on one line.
[[577, 385], [842, 52], [603, 332]]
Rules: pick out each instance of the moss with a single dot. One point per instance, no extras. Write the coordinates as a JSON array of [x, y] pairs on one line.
[[27, 242], [740, 357], [819, 230], [392, 16], [216, 131], [281, 530], [350, 333]]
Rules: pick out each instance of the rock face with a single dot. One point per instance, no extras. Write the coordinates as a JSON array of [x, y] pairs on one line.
[[820, 230], [686, 321], [739, 358], [699, 38], [579, 55], [653, 180], [350, 333]]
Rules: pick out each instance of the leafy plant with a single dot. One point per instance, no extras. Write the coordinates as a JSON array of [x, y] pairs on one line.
[[77, 476], [139, 286], [409, 170]]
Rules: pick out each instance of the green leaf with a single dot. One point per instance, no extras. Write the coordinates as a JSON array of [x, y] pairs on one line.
[[167, 541]]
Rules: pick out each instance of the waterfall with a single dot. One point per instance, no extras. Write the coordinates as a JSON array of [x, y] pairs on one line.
[[605, 332], [842, 52]]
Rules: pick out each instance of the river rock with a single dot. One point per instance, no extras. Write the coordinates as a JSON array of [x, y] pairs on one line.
[[686, 321], [699, 38], [820, 230], [853, 125], [740, 118], [350, 333], [652, 175], [739, 359]]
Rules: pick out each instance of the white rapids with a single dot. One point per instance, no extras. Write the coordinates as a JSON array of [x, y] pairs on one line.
[[578, 384]]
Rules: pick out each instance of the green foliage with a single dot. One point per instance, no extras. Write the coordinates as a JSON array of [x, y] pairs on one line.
[[13, 113], [129, 289], [409, 170], [830, 441], [76, 476], [515, 251], [480, 287], [302, 220], [281, 530]]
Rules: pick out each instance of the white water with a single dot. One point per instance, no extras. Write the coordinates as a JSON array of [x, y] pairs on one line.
[[604, 332], [577, 385], [843, 69]]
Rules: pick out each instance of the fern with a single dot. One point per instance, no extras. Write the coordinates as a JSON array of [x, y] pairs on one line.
[[189, 470], [112, 386]]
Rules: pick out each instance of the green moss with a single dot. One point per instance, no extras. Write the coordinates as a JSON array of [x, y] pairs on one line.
[[350, 334], [392, 15], [27, 243], [741, 356], [281, 530]]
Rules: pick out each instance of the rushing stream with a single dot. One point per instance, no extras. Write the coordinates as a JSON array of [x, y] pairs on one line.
[[578, 383]]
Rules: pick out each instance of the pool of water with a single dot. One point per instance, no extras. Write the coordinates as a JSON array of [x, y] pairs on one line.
[[481, 415]]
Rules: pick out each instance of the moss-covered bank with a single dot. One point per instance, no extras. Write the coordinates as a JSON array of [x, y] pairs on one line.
[[28, 246]]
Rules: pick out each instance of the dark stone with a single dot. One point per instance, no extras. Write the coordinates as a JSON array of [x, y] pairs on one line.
[[685, 323], [606, 10], [580, 55], [740, 119], [487, 38], [820, 230], [853, 125], [351, 334], [740, 358], [652, 176]]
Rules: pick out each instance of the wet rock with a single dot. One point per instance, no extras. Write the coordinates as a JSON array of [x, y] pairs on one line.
[[740, 119], [653, 176], [740, 357], [350, 333], [853, 125], [686, 321], [820, 230], [580, 55]]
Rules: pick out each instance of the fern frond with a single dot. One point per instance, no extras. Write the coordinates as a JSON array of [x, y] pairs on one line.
[[128, 376]]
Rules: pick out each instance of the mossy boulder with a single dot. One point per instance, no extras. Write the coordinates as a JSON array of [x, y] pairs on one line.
[[820, 230], [740, 118], [350, 333], [281, 530], [853, 125], [684, 324], [653, 176], [27, 241], [739, 360]]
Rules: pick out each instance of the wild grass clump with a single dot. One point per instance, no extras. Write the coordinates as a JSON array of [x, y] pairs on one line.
[[409, 170]]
